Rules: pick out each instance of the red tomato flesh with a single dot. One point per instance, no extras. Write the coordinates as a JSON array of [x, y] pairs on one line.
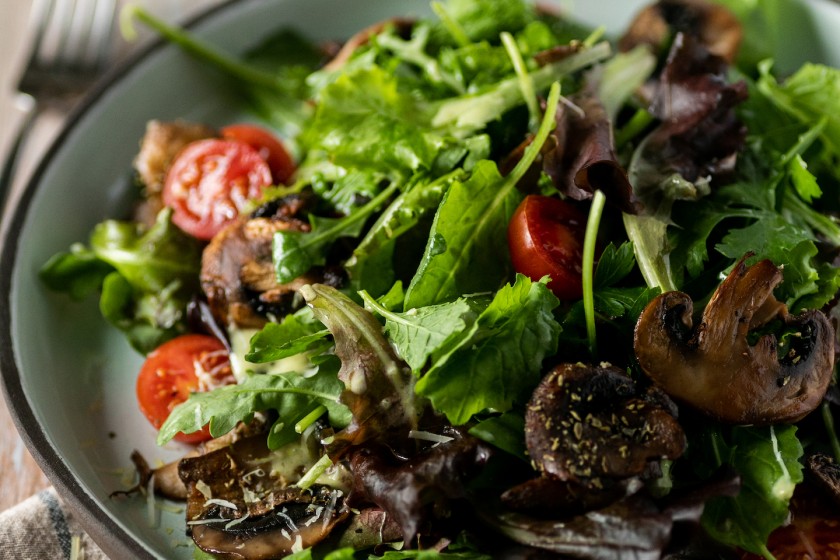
[[269, 147], [186, 364], [545, 238], [211, 182]]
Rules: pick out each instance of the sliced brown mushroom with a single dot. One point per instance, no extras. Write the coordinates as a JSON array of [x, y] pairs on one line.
[[634, 526], [586, 423], [716, 27], [237, 272], [166, 480], [242, 504], [547, 496], [300, 520], [825, 474], [714, 368]]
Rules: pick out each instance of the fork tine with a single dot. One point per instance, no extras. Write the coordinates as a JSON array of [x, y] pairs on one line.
[[88, 45], [56, 30], [70, 47], [39, 21], [100, 44], [77, 33]]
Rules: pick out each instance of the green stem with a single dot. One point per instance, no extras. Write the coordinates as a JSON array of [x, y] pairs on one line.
[[637, 123], [526, 83], [820, 222], [310, 419], [804, 141], [765, 552], [229, 64], [547, 126], [592, 225], [454, 28], [361, 214], [314, 473], [649, 237], [595, 36]]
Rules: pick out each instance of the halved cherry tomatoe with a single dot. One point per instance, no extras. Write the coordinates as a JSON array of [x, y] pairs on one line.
[[545, 237], [269, 147], [211, 182], [186, 364]]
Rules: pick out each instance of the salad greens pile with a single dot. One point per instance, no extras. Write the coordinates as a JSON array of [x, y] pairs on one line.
[[419, 147]]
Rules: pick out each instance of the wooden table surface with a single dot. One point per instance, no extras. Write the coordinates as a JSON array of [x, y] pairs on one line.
[[20, 474]]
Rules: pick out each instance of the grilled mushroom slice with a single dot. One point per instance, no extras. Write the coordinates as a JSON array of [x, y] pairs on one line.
[[242, 504], [715, 368], [825, 473], [237, 272], [714, 25], [586, 423]]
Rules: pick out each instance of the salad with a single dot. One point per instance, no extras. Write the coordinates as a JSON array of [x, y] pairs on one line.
[[491, 285]]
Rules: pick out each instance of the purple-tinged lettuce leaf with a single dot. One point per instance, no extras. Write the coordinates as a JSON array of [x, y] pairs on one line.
[[379, 387]]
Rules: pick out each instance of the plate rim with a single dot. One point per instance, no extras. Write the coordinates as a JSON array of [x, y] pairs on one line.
[[114, 541], [110, 536]]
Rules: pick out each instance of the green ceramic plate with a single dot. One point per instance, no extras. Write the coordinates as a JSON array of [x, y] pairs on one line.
[[68, 377]]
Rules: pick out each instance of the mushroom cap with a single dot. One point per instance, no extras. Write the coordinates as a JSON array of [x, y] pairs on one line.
[[585, 422], [240, 506], [237, 270], [714, 25], [714, 368]]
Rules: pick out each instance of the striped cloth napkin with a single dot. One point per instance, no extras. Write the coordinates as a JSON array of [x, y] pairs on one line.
[[42, 528]]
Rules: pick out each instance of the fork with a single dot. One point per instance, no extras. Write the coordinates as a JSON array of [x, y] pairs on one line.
[[69, 51]]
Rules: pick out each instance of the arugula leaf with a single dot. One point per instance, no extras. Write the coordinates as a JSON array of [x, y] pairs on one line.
[[768, 461], [291, 394], [470, 228], [421, 332], [498, 360], [345, 188], [296, 252], [299, 332], [372, 264], [774, 238], [507, 432], [465, 114]]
